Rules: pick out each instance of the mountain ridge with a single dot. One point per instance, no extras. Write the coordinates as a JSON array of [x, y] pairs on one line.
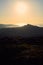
[[25, 31]]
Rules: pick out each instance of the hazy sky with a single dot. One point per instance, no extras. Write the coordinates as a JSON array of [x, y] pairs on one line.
[[11, 13]]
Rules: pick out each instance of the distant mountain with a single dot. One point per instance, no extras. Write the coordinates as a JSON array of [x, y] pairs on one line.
[[41, 25], [2, 26], [25, 31], [7, 25]]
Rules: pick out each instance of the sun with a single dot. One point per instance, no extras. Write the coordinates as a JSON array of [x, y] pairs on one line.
[[21, 7], [20, 12]]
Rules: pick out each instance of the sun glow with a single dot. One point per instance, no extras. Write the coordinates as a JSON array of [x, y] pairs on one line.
[[21, 24], [21, 12], [21, 8]]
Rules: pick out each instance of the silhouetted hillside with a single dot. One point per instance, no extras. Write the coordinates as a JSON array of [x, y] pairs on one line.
[[25, 31], [21, 45]]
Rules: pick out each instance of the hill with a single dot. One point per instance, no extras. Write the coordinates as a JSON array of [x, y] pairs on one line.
[[25, 31]]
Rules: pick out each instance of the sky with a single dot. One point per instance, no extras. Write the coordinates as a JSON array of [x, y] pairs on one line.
[[12, 13]]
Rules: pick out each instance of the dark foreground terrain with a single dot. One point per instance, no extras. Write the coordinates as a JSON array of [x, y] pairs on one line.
[[18, 51]]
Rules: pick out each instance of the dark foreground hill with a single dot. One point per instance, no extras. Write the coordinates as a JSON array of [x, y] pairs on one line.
[[21, 51], [21, 46]]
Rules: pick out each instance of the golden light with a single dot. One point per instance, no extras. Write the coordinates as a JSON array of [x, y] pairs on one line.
[[21, 12], [21, 24], [21, 7]]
